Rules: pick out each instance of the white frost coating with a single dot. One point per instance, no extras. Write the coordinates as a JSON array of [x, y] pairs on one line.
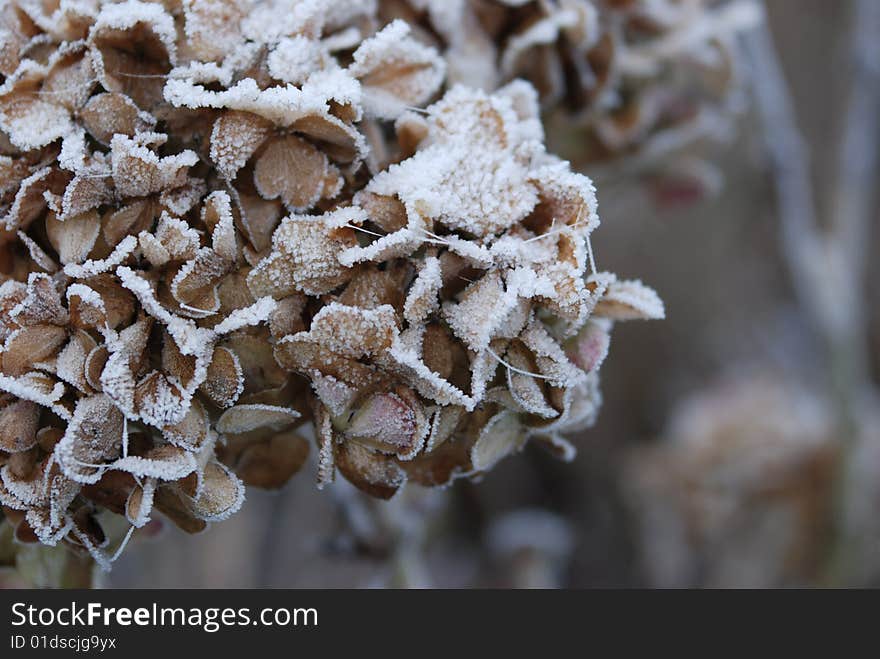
[[73, 150], [420, 67], [281, 105], [37, 254], [29, 492], [25, 388], [483, 309], [256, 313], [422, 298], [178, 465], [406, 352], [473, 173], [190, 340], [626, 300], [352, 331], [223, 236], [91, 268], [138, 171], [399, 243], [33, 121], [13, 220], [124, 15], [215, 502], [145, 507], [247, 417], [88, 295], [270, 21], [296, 58], [552, 361]]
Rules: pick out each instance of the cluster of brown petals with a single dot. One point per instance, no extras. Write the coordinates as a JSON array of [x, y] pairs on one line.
[[226, 226], [635, 76]]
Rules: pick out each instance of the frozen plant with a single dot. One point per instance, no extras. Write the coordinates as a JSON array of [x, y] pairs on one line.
[[226, 222]]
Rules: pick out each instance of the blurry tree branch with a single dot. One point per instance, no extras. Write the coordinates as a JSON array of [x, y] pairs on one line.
[[827, 259]]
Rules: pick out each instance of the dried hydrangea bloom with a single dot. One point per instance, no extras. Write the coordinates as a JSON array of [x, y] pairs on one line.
[[626, 76], [451, 312], [741, 491], [222, 222]]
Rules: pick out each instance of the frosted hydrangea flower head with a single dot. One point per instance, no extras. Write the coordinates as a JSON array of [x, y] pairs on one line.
[[227, 226]]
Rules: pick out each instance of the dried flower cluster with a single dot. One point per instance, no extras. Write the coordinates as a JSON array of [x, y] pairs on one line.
[[740, 494], [223, 220], [627, 77]]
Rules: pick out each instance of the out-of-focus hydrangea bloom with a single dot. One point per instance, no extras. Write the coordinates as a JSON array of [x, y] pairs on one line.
[[631, 76], [740, 491], [641, 89], [224, 223]]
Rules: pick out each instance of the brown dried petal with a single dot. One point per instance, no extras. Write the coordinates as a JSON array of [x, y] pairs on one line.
[[294, 170], [225, 380], [190, 433], [30, 345], [85, 193], [339, 140], [270, 464], [374, 287], [129, 220], [353, 331], [41, 304], [502, 435], [71, 363], [199, 278], [388, 213], [259, 217], [138, 171], [256, 356], [588, 349], [376, 474], [94, 366], [392, 422], [135, 48], [305, 356], [93, 436], [443, 424], [527, 390], [396, 71], [111, 492], [304, 256], [169, 502], [110, 113], [140, 503], [75, 237], [222, 494], [288, 316], [235, 138], [244, 418], [630, 300], [18, 426]]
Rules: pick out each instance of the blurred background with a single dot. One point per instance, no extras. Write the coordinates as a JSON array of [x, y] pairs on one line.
[[739, 443]]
